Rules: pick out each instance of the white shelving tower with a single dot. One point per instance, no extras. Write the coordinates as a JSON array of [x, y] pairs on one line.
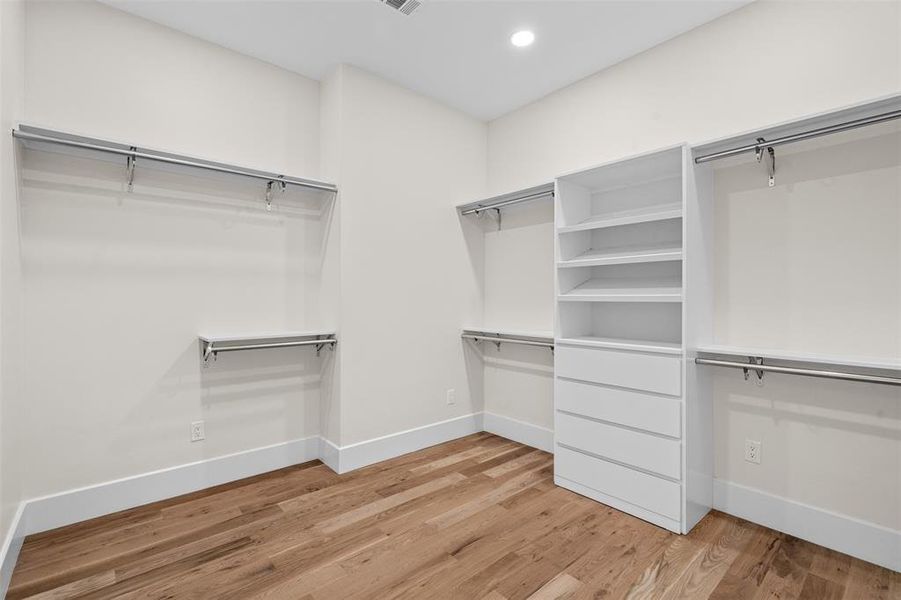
[[630, 431]]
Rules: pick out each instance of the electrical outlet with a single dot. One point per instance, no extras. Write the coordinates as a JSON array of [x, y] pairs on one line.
[[451, 397], [752, 451], [197, 431]]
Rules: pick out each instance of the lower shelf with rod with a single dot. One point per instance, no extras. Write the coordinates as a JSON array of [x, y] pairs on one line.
[[212, 345]]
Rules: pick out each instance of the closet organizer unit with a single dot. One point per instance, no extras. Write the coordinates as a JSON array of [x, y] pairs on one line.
[[624, 411]]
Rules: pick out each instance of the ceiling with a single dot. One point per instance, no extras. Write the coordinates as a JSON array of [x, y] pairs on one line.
[[455, 51]]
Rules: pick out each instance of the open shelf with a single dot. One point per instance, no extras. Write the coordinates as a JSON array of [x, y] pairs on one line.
[[640, 323], [606, 290], [637, 253], [622, 344], [646, 214]]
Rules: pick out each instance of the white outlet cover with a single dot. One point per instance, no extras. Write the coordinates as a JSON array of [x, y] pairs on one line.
[[752, 451], [197, 431], [451, 396]]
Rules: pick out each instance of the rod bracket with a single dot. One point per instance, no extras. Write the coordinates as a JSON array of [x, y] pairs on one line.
[[755, 361], [766, 153], [209, 351], [497, 211], [130, 161], [269, 185]]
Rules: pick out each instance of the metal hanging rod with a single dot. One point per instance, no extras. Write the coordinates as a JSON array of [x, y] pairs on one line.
[[756, 364], [212, 347], [761, 144], [133, 153], [538, 192], [508, 338]]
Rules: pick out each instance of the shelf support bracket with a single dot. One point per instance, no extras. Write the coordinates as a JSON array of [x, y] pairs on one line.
[[269, 194], [497, 211], [755, 361], [319, 347], [208, 351], [766, 153], [130, 161]]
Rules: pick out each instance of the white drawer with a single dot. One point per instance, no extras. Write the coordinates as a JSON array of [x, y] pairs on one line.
[[643, 450], [635, 409], [648, 372], [651, 493]]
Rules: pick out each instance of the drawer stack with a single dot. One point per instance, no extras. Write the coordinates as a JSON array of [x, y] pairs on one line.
[[620, 369], [618, 424]]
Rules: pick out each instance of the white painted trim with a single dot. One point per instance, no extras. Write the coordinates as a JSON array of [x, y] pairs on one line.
[[861, 539], [9, 552], [520, 431], [330, 454], [73, 506], [368, 452]]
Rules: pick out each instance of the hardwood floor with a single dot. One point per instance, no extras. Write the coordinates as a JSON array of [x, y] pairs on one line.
[[477, 518]]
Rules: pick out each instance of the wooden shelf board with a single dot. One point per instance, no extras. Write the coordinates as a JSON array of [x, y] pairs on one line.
[[660, 212], [625, 255], [622, 344]]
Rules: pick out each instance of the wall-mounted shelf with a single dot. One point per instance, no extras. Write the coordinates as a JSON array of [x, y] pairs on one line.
[[647, 214], [863, 362], [542, 339], [211, 345], [539, 192], [134, 156]]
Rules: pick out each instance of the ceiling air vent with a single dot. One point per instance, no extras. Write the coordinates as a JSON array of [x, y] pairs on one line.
[[404, 6]]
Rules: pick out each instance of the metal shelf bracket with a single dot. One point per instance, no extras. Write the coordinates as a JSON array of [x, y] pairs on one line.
[[767, 154]]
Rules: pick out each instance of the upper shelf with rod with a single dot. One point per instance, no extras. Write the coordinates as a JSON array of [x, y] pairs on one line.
[[763, 142], [496, 203], [45, 139]]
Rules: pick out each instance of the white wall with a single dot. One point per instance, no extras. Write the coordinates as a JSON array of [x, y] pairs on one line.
[[118, 285], [813, 265], [411, 269], [765, 63], [12, 26], [95, 70]]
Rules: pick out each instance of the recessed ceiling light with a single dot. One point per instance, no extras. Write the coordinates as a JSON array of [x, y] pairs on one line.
[[523, 38]]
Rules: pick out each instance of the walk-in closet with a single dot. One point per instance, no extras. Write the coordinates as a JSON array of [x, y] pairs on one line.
[[440, 299]]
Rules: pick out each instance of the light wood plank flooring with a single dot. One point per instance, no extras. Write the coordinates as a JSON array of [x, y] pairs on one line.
[[477, 518]]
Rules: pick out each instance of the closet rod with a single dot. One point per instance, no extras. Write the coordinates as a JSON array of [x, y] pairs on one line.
[[804, 135], [64, 139], [800, 371], [212, 349], [499, 338], [535, 193]]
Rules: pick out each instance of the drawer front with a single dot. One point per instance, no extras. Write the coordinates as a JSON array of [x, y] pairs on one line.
[[651, 493], [635, 409], [643, 450], [648, 372]]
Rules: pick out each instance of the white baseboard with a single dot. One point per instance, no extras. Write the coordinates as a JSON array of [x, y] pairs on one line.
[[861, 539], [50, 512], [330, 454], [361, 454], [520, 431], [9, 552]]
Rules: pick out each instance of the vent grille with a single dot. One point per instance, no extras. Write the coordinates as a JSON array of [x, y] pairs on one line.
[[403, 6]]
